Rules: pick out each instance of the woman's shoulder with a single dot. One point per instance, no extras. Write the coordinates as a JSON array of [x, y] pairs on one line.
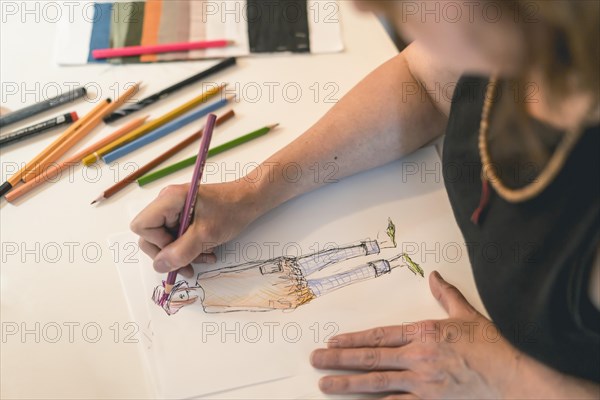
[[436, 76]]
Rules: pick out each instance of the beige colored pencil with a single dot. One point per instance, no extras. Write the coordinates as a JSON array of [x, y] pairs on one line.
[[79, 134], [56, 169]]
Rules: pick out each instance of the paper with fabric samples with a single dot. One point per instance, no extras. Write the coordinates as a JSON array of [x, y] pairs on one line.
[[296, 26]]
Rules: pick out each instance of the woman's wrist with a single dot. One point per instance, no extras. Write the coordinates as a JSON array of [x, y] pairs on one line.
[[262, 191], [532, 379], [255, 196]]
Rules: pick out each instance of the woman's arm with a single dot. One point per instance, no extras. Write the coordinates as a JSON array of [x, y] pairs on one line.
[[386, 116]]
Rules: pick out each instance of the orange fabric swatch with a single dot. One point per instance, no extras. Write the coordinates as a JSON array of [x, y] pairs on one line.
[[151, 27]]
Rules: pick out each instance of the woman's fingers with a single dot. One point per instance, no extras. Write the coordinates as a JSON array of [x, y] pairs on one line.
[[159, 237], [404, 396], [157, 221], [450, 297], [372, 382], [149, 248], [156, 225], [364, 359], [180, 252], [152, 250], [187, 271], [387, 336], [162, 213]]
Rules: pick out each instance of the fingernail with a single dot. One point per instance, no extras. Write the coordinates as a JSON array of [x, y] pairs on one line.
[[162, 266], [324, 383], [315, 358], [186, 273], [437, 275]]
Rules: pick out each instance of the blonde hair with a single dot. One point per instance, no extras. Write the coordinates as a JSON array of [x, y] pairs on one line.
[[563, 40]]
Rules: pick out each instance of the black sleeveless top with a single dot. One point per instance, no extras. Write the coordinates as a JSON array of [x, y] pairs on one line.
[[531, 260]]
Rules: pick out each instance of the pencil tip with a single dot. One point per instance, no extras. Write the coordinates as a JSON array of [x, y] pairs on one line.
[[231, 42], [98, 200], [5, 188], [273, 126]]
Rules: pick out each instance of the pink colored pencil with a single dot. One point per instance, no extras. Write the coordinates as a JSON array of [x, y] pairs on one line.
[[159, 48]]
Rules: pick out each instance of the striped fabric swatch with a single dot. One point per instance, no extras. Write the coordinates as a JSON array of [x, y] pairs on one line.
[[135, 25], [171, 31], [280, 26]]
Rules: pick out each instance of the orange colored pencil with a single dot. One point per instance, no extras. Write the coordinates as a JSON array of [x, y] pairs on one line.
[[55, 169], [85, 129], [35, 165], [18, 176]]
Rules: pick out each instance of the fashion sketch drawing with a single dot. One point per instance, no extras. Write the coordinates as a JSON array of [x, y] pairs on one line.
[[284, 283]]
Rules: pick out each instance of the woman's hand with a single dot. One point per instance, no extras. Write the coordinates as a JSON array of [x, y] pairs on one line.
[[222, 211], [463, 356]]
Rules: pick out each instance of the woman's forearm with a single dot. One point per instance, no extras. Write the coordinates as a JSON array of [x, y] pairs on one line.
[[375, 123]]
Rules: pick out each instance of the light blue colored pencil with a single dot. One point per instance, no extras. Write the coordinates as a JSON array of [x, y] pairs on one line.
[[163, 130]]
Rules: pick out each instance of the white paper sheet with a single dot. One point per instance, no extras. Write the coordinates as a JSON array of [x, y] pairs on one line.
[[324, 27], [234, 355], [73, 36], [132, 283]]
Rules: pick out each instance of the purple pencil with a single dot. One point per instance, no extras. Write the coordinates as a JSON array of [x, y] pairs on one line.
[[188, 209]]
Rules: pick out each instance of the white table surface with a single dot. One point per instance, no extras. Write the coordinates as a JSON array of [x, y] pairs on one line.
[[53, 281]]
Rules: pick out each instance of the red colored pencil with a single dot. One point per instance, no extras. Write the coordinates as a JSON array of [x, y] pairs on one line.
[[159, 48]]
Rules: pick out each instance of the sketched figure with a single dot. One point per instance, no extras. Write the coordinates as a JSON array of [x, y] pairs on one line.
[[282, 283]]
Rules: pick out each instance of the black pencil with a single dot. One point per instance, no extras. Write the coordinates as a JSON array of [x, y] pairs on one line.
[[45, 105], [40, 127], [169, 90]]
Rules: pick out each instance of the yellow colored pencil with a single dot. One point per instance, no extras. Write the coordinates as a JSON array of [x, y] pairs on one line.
[[78, 135], [152, 125], [53, 171]]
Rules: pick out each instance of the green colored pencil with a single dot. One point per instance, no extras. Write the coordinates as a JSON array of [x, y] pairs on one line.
[[161, 173]]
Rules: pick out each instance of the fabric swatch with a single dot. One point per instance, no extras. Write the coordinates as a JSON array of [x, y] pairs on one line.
[[174, 27], [280, 26], [100, 29], [151, 27], [134, 31], [197, 26], [119, 23]]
